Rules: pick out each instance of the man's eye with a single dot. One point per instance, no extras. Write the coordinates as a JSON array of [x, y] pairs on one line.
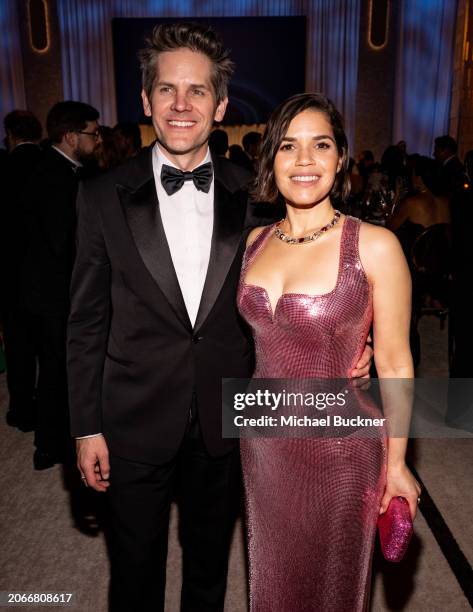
[[198, 92], [164, 89]]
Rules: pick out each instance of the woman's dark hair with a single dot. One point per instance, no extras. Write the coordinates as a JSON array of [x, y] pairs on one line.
[[197, 37], [392, 164], [265, 189], [108, 151]]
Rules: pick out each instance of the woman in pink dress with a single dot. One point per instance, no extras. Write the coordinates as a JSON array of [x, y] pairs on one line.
[[310, 288]]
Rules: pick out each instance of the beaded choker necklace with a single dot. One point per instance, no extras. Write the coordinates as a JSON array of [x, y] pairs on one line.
[[311, 237]]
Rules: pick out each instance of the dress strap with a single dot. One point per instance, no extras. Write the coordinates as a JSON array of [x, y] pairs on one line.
[[253, 249], [349, 251]]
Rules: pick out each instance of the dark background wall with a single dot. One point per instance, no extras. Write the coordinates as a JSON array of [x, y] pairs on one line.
[[42, 71]]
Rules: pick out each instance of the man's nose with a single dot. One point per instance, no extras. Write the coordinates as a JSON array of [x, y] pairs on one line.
[[181, 102]]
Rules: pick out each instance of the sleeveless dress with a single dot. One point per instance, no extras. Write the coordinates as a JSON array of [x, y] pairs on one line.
[[311, 503]]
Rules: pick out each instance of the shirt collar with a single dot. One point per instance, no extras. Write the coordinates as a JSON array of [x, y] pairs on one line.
[[73, 161]]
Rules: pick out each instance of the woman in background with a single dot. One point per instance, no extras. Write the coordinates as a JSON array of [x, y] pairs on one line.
[[428, 206], [311, 285]]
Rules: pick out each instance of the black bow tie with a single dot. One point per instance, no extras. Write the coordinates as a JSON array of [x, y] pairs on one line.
[[173, 179]]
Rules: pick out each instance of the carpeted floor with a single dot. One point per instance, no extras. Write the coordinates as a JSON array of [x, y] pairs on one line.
[[51, 540]]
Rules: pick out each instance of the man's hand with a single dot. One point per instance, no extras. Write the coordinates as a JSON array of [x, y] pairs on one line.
[[362, 368], [92, 461]]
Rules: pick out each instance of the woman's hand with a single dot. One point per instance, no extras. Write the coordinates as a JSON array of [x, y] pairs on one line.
[[362, 368], [401, 483]]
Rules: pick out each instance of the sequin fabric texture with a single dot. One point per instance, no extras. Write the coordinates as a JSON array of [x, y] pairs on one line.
[[311, 503]]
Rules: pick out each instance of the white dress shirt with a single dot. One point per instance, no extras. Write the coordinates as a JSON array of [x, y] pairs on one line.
[[187, 217]]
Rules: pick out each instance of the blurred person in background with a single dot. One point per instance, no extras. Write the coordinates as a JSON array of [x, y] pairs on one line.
[[238, 157], [218, 142], [23, 134], [394, 167], [127, 139], [251, 142], [49, 204], [427, 206], [365, 164], [108, 154], [451, 169]]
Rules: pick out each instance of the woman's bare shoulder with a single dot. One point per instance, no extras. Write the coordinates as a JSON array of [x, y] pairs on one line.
[[375, 236], [377, 246], [253, 235]]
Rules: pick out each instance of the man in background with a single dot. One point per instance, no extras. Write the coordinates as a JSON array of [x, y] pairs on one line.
[[50, 219], [23, 134], [218, 142], [451, 168]]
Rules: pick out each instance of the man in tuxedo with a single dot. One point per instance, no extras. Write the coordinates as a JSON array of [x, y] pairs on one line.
[[50, 219], [154, 328], [452, 171], [23, 133]]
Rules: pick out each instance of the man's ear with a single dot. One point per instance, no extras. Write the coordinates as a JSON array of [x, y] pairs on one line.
[[146, 104], [220, 110], [71, 139]]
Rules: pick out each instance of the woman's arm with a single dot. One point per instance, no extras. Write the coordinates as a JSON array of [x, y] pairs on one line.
[[388, 273]]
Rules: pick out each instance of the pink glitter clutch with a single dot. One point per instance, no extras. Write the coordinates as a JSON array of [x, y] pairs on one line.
[[395, 529]]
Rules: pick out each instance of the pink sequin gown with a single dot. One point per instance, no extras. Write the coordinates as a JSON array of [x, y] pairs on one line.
[[312, 503]]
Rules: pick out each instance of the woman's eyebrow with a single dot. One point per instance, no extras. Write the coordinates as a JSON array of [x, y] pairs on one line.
[[320, 137]]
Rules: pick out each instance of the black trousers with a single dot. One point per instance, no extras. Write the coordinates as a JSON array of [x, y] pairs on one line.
[[52, 421], [21, 350], [208, 491]]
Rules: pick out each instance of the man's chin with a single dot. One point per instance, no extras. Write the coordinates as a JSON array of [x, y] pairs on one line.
[[180, 147]]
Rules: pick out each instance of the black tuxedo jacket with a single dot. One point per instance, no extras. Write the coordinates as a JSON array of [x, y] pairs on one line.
[[134, 360], [49, 205], [453, 175]]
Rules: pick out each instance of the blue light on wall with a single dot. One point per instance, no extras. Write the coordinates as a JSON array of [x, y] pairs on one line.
[[424, 72], [12, 87]]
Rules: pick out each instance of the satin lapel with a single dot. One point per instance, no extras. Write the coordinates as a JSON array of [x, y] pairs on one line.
[[229, 214], [141, 209]]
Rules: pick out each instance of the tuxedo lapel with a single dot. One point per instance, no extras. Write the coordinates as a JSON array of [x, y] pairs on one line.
[[229, 214], [141, 208]]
